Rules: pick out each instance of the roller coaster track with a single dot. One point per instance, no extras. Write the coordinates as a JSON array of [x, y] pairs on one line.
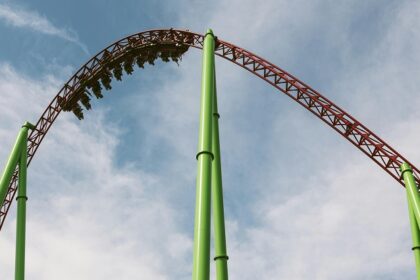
[[339, 120]]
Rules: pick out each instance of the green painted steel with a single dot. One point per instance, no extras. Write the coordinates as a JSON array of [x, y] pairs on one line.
[[221, 256], [415, 234], [411, 187], [201, 258], [13, 160], [18, 157], [413, 199], [21, 209]]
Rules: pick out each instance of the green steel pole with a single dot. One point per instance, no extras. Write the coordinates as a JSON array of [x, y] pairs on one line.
[[411, 187], [217, 198], [415, 234], [13, 161], [413, 200], [21, 209], [201, 258]]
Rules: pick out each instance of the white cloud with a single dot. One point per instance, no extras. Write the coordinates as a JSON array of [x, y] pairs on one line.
[[304, 223], [301, 203], [93, 220], [20, 17]]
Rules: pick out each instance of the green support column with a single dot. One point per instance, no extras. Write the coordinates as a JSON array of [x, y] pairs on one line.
[[413, 199], [411, 187], [13, 161], [217, 198], [201, 258], [415, 235], [21, 207]]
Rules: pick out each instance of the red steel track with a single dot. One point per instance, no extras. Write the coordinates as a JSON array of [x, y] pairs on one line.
[[343, 123]]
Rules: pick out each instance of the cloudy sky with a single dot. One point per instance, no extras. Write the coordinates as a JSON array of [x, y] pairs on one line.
[[112, 197]]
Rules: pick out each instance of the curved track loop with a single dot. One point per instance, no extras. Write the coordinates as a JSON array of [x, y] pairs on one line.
[[347, 126]]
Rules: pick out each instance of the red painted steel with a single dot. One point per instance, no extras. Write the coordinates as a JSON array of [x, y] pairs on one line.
[[351, 129]]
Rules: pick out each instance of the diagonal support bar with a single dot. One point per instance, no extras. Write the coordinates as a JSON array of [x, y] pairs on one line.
[[18, 158], [201, 257], [13, 160]]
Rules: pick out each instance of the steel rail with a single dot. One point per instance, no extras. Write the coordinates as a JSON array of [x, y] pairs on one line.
[[342, 122]]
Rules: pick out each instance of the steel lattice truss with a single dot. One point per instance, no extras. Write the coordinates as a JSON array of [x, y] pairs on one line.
[[343, 123]]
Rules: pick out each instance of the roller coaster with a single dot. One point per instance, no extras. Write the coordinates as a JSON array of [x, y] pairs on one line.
[[170, 45]]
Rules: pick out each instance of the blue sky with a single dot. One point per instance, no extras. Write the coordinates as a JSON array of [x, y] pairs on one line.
[[113, 196]]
